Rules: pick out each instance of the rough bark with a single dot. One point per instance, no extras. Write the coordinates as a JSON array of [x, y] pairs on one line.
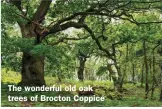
[[113, 76], [116, 79], [39, 16], [118, 69], [32, 70], [119, 81], [32, 66], [82, 61]]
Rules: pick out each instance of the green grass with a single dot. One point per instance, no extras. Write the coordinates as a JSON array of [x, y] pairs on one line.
[[134, 97]]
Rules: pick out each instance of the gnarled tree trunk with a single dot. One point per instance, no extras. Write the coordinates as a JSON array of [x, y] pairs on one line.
[[82, 60], [32, 72], [113, 75]]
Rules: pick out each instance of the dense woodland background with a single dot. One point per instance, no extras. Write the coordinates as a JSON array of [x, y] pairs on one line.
[[113, 45]]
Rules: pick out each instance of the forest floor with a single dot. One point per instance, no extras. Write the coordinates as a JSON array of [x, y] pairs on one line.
[[132, 97]]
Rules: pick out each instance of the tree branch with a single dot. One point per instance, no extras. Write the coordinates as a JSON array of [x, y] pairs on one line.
[[102, 10], [57, 28], [24, 17], [64, 38], [96, 40], [42, 11]]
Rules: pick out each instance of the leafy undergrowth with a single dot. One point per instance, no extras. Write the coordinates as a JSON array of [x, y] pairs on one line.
[[132, 97]]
